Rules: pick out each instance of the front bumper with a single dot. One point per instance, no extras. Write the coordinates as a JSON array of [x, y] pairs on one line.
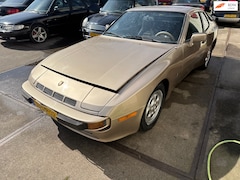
[[77, 121], [227, 17], [21, 34], [92, 30]]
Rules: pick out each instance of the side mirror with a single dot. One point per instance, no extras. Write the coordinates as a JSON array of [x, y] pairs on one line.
[[107, 26], [55, 8], [197, 37]]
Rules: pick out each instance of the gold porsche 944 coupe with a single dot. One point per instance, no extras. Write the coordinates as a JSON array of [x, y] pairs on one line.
[[112, 85]]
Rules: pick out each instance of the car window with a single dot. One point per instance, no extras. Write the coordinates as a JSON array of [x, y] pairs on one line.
[[117, 6], [77, 4], [14, 1], [163, 27], [195, 25], [205, 21], [39, 6], [89, 2], [61, 5], [144, 2]]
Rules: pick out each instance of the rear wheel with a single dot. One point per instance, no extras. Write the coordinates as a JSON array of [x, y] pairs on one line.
[[38, 34], [153, 108]]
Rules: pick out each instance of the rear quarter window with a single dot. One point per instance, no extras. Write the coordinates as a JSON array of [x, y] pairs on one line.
[[205, 22]]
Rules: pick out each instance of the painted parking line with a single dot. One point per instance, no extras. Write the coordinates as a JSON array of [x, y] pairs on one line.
[[19, 131]]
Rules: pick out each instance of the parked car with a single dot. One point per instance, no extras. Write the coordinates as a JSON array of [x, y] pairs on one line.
[[194, 3], [94, 25], [109, 86], [226, 11], [43, 18], [13, 6]]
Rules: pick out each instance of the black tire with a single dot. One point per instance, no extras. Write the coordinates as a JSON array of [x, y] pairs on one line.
[[38, 34], [153, 108]]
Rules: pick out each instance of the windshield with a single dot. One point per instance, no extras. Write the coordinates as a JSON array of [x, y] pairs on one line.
[[119, 6], [113, 6], [40, 6], [156, 26], [14, 2]]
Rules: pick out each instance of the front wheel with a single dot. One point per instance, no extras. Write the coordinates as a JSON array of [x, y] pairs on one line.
[[38, 34], [153, 108]]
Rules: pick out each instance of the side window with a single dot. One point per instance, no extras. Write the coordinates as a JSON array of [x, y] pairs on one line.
[[28, 3], [61, 5], [77, 4], [205, 21], [195, 25]]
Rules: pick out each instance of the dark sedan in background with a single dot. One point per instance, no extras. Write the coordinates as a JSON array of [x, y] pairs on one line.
[[96, 24], [43, 18], [13, 6]]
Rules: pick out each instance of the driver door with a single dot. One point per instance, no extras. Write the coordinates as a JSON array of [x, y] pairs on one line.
[[194, 53], [59, 16]]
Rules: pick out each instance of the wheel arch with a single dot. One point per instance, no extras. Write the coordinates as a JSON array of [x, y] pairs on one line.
[[38, 24], [165, 83]]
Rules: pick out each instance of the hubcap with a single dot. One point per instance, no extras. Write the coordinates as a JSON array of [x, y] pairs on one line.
[[153, 107], [39, 34]]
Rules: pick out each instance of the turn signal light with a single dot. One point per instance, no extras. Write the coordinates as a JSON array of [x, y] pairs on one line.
[[96, 125], [124, 118]]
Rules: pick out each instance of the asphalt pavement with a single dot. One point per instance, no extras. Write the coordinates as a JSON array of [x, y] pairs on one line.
[[202, 111]]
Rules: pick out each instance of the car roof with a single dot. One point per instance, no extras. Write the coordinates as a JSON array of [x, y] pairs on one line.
[[167, 8]]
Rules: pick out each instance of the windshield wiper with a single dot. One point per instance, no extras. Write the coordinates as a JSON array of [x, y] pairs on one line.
[[133, 37], [112, 34], [161, 41], [116, 11]]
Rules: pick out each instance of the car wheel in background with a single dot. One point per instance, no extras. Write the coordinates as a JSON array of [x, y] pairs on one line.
[[38, 34], [153, 108]]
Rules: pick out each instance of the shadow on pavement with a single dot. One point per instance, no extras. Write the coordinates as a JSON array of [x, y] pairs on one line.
[[53, 42], [225, 121]]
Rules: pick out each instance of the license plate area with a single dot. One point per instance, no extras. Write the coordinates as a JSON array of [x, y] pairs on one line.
[[46, 110], [92, 34], [230, 15]]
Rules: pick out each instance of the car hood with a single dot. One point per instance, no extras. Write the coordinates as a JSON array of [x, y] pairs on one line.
[[105, 62], [103, 18], [20, 17]]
